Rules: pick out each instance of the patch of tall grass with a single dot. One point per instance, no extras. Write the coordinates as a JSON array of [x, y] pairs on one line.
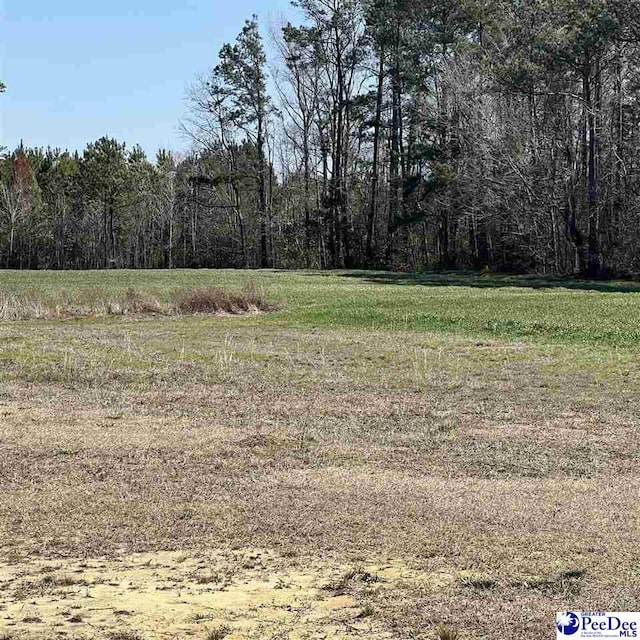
[[206, 300]]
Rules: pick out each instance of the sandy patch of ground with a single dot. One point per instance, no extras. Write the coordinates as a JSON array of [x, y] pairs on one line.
[[167, 595]]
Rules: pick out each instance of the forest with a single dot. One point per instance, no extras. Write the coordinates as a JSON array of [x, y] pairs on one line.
[[397, 134]]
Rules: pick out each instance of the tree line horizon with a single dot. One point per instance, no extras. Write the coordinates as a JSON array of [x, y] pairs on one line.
[[397, 134]]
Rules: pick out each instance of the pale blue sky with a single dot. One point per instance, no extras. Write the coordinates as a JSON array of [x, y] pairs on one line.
[[76, 70]]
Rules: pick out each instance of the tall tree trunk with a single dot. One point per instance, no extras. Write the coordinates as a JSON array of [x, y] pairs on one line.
[[307, 192], [593, 253], [337, 196], [394, 160], [262, 196], [375, 172]]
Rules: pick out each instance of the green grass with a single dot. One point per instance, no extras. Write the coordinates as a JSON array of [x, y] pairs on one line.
[[535, 309], [570, 328]]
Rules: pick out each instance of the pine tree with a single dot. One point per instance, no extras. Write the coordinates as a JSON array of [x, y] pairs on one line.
[[241, 80]]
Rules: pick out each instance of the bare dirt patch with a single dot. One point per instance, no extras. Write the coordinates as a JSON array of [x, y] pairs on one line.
[[247, 594]]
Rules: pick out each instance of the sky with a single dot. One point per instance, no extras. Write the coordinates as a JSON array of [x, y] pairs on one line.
[[77, 70]]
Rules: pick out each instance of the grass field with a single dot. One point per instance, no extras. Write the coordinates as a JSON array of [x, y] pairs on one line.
[[383, 455]]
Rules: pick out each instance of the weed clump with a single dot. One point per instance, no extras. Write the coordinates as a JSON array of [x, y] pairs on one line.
[[216, 300]]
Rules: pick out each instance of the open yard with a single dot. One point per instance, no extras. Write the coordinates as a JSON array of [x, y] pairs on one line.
[[382, 455]]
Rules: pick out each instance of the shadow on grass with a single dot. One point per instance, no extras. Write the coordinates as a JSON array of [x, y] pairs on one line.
[[492, 281]]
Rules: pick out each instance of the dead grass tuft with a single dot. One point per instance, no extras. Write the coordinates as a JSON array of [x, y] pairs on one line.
[[46, 585], [351, 578], [446, 633], [566, 583], [367, 611], [572, 574], [479, 583], [207, 578], [124, 635], [217, 300], [15, 307], [218, 633], [63, 580], [139, 303], [260, 440], [200, 617]]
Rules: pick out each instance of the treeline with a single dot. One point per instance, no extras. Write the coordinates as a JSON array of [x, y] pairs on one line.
[[404, 134]]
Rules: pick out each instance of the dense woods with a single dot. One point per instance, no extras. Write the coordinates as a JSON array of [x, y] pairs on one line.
[[404, 134]]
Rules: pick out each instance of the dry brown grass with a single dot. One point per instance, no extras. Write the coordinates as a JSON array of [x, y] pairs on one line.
[[137, 303], [210, 300], [17, 307], [498, 481], [216, 300]]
